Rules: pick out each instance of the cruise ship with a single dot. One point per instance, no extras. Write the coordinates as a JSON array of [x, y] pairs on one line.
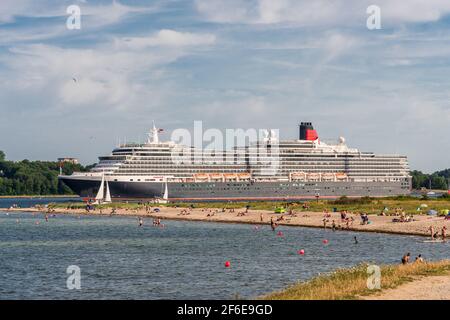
[[269, 169]]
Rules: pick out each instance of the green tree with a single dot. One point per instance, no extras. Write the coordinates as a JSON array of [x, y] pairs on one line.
[[2, 156], [34, 177], [438, 182]]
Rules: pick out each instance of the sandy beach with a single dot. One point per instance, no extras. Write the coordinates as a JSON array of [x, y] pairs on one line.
[[384, 224], [422, 288]]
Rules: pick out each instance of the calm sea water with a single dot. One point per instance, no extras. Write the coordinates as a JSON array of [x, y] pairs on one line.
[[183, 260], [30, 202]]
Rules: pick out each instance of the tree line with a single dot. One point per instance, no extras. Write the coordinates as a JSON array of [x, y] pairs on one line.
[[436, 180], [34, 177]]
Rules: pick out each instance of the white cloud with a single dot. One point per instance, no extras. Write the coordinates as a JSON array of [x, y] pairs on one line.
[[94, 17], [320, 12], [170, 38], [10, 9], [101, 13], [414, 10], [114, 75], [226, 11]]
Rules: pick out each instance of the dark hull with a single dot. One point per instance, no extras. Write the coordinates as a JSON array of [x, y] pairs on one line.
[[217, 191]]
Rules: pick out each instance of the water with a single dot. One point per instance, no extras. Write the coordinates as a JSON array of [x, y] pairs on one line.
[[183, 260], [32, 201]]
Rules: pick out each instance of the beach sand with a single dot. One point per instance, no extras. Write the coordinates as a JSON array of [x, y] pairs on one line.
[[424, 288], [381, 224]]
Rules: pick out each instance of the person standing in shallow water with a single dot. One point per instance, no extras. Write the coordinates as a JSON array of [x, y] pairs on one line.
[[356, 240], [141, 222], [431, 229], [273, 225]]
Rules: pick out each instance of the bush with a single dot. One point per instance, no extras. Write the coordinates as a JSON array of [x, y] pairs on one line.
[[344, 200]]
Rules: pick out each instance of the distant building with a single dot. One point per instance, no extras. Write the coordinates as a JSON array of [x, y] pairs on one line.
[[69, 160]]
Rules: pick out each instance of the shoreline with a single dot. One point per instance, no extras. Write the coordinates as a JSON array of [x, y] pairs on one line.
[[379, 224]]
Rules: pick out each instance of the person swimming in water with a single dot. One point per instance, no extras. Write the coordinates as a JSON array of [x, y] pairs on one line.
[[405, 258], [356, 240], [141, 222]]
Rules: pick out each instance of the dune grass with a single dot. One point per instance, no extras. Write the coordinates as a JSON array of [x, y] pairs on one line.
[[349, 284]]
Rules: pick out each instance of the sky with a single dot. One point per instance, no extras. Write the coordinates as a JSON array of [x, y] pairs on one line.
[[229, 63]]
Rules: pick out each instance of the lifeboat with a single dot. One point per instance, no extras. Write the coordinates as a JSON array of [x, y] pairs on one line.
[[314, 176], [201, 176], [298, 176], [341, 176], [230, 176], [244, 176], [328, 176]]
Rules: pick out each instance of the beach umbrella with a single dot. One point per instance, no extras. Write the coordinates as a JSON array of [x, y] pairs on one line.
[[432, 212]]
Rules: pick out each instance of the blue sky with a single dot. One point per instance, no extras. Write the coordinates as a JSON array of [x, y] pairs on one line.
[[231, 64]]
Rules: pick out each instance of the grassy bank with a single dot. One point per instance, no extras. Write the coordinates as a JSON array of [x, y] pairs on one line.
[[368, 205], [352, 283]]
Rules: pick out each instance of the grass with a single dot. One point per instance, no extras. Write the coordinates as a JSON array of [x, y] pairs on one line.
[[368, 205], [345, 284]]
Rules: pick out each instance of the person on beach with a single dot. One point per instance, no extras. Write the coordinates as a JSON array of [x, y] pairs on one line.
[[347, 223], [261, 217], [405, 258], [419, 259], [325, 223], [443, 232], [333, 225]]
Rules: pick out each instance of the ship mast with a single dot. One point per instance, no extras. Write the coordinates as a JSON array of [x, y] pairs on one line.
[[153, 137]]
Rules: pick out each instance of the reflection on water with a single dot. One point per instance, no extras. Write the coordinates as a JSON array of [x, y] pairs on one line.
[[118, 259]]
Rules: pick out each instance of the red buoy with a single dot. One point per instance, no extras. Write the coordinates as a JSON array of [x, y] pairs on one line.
[[280, 234], [227, 264], [301, 252], [325, 241]]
